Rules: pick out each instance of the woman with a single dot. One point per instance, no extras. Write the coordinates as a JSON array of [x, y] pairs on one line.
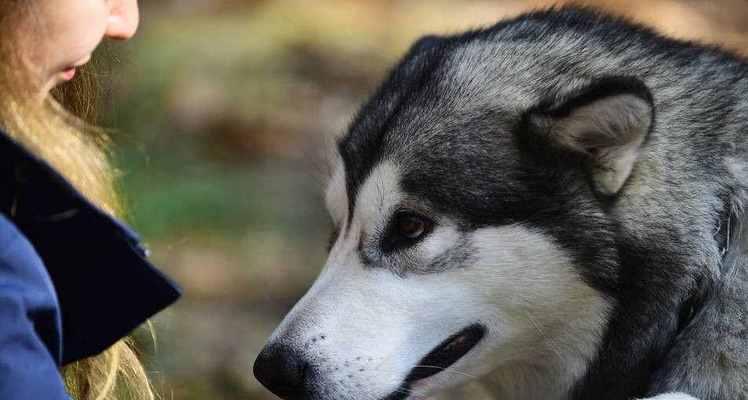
[[73, 280]]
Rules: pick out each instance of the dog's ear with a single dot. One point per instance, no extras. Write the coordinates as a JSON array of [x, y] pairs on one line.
[[605, 123]]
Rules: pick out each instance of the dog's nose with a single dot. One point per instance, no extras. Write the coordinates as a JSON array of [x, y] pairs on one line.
[[283, 371]]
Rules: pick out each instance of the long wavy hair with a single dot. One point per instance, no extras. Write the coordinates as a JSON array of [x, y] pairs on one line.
[[60, 129]]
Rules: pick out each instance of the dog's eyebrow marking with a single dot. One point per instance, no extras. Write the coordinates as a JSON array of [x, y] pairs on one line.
[[360, 154], [378, 194], [378, 197]]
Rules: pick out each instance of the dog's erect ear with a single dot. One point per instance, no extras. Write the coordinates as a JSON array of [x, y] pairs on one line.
[[605, 122]]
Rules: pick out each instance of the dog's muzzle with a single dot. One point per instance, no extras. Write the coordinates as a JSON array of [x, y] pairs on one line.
[[289, 375]]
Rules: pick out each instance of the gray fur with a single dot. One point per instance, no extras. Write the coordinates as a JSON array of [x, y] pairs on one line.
[[478, 126], [451, 111]]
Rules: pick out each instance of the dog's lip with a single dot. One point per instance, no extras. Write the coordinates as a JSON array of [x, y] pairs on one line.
[[447, 353], [441, 357]]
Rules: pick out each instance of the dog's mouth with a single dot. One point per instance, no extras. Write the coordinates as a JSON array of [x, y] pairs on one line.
[[442, 357], [447, 353]]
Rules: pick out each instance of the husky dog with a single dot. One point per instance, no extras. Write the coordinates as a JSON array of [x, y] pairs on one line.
[[553, 206]]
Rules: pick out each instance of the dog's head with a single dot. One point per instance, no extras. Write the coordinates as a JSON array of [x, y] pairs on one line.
[[469, 199]]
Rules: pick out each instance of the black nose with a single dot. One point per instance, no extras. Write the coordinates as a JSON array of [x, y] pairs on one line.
[[283, 371]]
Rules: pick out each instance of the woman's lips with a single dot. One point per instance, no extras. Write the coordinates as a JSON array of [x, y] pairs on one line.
[[68, 74]]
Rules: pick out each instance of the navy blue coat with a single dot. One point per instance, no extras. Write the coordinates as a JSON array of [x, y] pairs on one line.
[[73, 280]]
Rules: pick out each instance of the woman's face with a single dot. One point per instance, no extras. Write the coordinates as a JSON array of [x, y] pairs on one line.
[[62, 34]]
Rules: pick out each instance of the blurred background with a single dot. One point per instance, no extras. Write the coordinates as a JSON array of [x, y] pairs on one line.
[[222, 109]]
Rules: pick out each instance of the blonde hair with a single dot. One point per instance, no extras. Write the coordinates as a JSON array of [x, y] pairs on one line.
[[65, 137]]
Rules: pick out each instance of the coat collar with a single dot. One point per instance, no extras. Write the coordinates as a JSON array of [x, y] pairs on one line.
[[105, 284]]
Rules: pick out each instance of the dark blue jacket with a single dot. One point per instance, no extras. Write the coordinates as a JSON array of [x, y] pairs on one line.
[[73, 280]]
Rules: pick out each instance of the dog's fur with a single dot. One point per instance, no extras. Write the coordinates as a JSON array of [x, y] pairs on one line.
[[586, 178]]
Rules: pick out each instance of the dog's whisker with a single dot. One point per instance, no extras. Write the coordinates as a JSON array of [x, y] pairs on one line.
[[411, 392], [553, 342], [448, 369]]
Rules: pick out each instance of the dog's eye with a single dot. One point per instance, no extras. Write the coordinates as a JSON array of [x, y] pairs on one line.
[[406, 229], [411, 226]]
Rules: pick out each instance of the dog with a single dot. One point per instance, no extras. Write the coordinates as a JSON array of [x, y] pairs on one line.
[[552, 206]]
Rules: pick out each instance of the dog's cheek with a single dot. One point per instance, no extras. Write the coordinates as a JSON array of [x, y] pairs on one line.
[[532, 288]]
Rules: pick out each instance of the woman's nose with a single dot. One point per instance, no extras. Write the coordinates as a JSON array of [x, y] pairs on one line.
[[124, 18]]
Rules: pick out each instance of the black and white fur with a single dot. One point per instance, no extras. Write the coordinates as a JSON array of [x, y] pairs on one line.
[[585, 179]]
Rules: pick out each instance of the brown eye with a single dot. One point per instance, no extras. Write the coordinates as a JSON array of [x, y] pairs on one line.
[[406, 229], [410, 226]]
